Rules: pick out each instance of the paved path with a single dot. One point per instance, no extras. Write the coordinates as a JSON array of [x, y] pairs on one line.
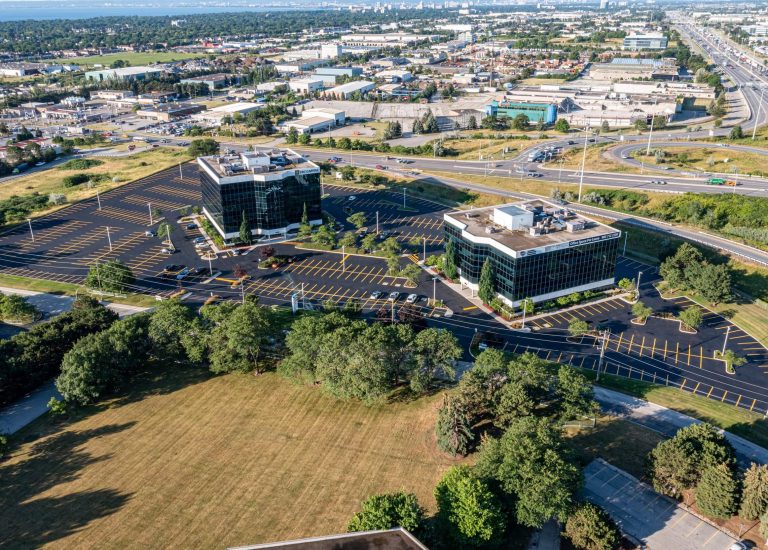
[[667, 421], [25, 410], [643, 514]]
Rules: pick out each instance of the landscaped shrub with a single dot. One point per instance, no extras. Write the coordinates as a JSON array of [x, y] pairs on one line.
[[75, 179]]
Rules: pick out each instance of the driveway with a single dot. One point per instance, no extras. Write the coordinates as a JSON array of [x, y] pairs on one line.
[[645, 515]]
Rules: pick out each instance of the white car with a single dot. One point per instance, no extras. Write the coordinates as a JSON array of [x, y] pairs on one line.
[[394, 296], [351, 197], [412, 298]]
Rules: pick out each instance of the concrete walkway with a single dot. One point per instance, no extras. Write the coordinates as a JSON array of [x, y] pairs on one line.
[[14, 417], [667, 421]]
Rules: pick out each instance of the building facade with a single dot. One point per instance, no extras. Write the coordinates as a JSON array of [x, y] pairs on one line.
[[536, 112], [271, 190], [538, 250], [635, 42]]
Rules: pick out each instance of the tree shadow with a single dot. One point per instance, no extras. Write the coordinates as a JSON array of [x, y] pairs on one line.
[[32, 519]]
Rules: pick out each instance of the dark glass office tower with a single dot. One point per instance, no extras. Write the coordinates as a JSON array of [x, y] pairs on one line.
[[540, 266], [273, 199]]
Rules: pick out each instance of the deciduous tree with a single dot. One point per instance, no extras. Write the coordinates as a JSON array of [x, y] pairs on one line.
[[388, 510], [589, 527]]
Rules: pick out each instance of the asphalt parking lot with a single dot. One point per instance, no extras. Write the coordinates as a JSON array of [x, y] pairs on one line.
[[645, 515], [67, 242]]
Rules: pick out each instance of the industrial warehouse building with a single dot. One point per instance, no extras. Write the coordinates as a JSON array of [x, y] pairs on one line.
[[538, 250], [536, 112], [271, 189]]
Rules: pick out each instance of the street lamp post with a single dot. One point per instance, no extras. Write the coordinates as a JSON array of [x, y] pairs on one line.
[[31, 233], [639, 275], [759, 110], [149, 207], [98, 199], [424, 251], [109, 239], [583, 162], [434, 291], [725, 343]]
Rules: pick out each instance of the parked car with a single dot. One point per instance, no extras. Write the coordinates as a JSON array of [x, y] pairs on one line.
[[412, 298], [172, 268], [376, 294], [394, 296], [191, 226], [150, 234]]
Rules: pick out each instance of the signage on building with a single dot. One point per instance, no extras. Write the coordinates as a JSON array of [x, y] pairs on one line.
[[569, 244]]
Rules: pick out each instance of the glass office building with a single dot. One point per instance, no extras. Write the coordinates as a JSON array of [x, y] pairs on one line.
[[538, 250], [272, 190]]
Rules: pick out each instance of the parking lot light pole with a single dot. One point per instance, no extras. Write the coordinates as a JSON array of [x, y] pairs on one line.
[[403, 197], [181, 174], [604, 335], [210, 266], [31, 233], [343, 259], [98, 198], [109, 239], [727, 333], [424, 252], [624, 253], [639, 275], [377, 222], [434, 291], [149, 207], [525, 309]]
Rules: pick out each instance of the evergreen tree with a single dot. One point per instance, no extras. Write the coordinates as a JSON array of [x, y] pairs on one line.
[[305, 229], [472, 123], [245, 230], [754, 500], [718, 491], [486, 290], [451, 271], [454, 434]]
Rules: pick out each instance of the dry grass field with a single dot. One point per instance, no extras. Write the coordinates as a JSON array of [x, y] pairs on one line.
[[198, 462]]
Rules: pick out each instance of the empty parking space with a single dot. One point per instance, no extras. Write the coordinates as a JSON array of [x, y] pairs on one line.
[[645, 515]]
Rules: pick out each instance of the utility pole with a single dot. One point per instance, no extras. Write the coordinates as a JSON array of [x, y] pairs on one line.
[[603, 340], [727, 333], [650, 134], [583, 162], [759, 110], [31, 233], [109, 239]]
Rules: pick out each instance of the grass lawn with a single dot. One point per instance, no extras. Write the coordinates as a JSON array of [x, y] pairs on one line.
[[595, 160], [68, 289], [620, 442], [533, 81], [194, 461], [711, 159], [125, 169], [473, 148], [133, 58], [751, 426]]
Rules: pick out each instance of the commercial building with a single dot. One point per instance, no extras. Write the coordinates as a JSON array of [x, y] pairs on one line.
[[536, 112], [213, 81], [271, 189], [538, 250], [111, 95], [125, 73], [346, 90], [635, 42], [218, 114], [170, 111], [629, 68], [299, 66], [307, 85], [317, 120], [329, 74]]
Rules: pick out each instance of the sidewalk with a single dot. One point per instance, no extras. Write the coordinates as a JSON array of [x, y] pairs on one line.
[[28, 408], [667, 421]]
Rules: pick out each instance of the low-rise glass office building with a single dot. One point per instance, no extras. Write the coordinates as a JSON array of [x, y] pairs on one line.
[[271, 188], [538, 250]]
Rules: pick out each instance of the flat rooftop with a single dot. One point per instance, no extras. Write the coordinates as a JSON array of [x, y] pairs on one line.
[[553, 224], [257, 162]]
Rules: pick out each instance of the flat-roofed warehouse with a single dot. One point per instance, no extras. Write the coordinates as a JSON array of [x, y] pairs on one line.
[[537, 250]]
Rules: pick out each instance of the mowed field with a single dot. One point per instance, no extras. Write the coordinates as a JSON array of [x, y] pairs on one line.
[[190, 461]]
